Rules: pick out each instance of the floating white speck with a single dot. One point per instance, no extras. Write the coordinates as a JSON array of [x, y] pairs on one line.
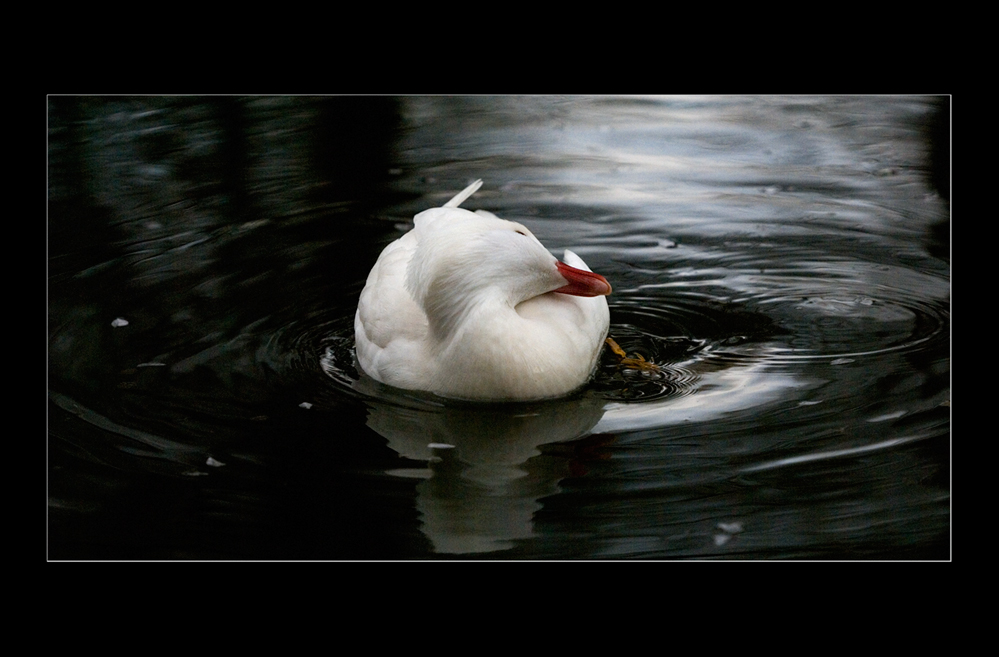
[[722, 539], [305, 405], [215, 464], [730, 527], [440, 446], [151, 365], [118, 323]]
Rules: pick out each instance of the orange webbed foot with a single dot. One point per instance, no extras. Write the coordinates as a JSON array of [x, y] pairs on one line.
[[636, 363]]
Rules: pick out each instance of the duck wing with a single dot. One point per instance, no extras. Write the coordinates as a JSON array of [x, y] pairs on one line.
[[390, 328]]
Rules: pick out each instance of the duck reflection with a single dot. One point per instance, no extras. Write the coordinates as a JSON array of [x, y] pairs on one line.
[[486, 475]]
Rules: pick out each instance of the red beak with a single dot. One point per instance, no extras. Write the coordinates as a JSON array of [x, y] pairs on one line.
[[582, 283]]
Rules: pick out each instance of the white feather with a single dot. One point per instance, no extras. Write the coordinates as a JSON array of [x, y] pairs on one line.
[[464, 306]]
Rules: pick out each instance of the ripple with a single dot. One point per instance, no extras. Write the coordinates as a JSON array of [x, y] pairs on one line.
[[838, 327], [825, 306], [685, 336], [316, 356], [681, 337], [647, 332]]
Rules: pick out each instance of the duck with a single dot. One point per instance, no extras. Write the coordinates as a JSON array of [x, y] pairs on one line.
[[470, 306]]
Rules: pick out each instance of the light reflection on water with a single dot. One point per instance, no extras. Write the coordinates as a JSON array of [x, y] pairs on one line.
[[779, 257]]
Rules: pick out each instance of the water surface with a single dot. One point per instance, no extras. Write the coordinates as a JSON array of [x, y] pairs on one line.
[[783, 260]]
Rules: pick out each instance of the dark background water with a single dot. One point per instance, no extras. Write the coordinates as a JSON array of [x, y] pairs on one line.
[[784, 259]]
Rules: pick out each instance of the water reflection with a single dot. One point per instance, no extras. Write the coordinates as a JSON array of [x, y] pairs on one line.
[[726, 390], [486, 474], [484, 478]]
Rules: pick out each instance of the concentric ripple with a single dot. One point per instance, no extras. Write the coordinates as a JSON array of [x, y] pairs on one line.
[[673, 338], [838, 328], [683, 336]]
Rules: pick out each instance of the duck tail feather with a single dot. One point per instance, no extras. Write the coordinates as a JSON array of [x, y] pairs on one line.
[[463, 194]]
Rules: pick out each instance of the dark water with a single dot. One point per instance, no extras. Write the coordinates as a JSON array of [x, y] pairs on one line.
[[784, 260]]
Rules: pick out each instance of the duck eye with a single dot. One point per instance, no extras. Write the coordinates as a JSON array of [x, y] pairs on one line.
[[520, 232]]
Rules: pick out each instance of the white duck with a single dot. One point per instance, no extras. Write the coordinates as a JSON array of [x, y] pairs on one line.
[[470, 306]]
